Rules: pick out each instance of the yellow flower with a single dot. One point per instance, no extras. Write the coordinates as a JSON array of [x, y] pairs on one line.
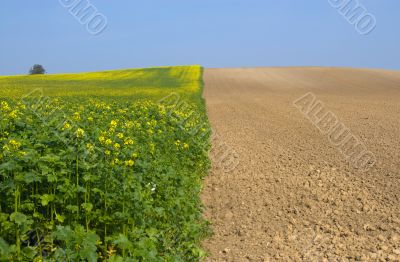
[[79, 133], [129, 162], [108, 142], [5, 106], [120, 135], [14, 144], [129, 124], [128, 141], [22, 153], [117, 146], [90, 119], [113, 124], [66, 126], [152, 148], [177, 142], [102, 139], [107, 152], [13, 114], [111, 251], [76, 116], [89, 147], [186, 146]]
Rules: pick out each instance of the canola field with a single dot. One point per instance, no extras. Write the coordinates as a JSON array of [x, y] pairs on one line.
[[103, 166]]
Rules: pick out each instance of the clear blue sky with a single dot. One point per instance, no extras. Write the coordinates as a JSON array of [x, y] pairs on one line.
[[213, 33]]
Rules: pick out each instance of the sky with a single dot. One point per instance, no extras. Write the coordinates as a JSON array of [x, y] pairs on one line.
[[211, 33]]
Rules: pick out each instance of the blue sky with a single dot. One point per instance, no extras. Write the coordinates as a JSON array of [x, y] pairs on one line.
[[212, 33]]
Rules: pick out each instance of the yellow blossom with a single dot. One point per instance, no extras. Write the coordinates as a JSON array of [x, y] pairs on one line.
[[111, 251], [66, 126], [5, 106], [89, 147], [113, 124], [120, 135], [15, 144], [152, 148], [79, 133], [129, 124], [22, 153], [76, 116], [13, 114], [129, 162], [128, 141]]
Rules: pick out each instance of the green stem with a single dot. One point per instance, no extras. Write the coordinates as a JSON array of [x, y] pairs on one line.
[[105, 205], [17, 233], [123, 211], [86, 213], [77, 182], [39, 245]]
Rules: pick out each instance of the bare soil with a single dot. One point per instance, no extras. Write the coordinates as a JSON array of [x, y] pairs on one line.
[[294, 196]]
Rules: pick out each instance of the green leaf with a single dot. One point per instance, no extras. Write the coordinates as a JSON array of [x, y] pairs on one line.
[[87, 207], [123, 242], [4, 248], [87, 177], [8, 166], [29, 252], [46, 199], [18, 218], [31, 177], [60, 218], [73, 209], [88, 254], [152, 232], [51, 177], [116, 259], [37, 215], [64, 233]]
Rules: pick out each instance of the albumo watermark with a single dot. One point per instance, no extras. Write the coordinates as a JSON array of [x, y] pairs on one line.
[[356, 14], [340, 136], [86, 14]]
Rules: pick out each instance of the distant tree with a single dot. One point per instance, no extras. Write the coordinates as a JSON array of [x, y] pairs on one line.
[[37, 70]]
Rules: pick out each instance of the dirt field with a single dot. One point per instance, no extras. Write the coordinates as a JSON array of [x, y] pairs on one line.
[[294, 196]]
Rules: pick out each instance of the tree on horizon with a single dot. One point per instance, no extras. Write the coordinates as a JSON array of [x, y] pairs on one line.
[[37, 70]]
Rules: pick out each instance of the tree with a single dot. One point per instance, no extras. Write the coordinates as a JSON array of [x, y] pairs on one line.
[[37, 70]]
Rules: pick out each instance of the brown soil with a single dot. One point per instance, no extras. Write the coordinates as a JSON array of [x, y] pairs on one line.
[[294, 196]]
